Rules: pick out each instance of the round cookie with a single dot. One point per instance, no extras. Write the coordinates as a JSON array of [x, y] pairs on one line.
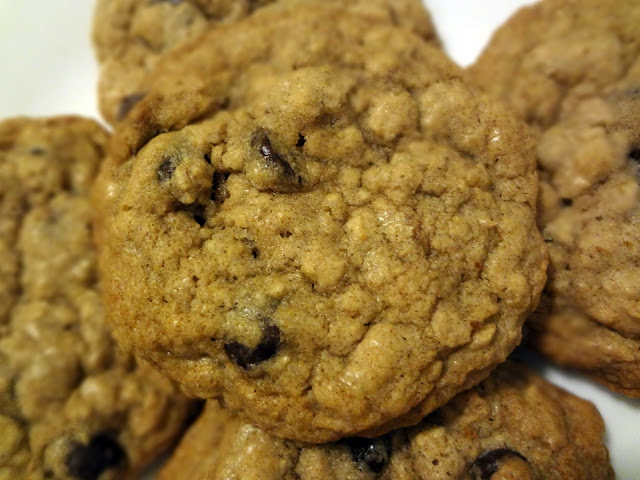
[[72, 404], [326, 230], [130, 36], [514, 425], [572, 70]]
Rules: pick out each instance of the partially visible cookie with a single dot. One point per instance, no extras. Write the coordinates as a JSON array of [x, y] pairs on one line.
[[572, 70], [130, 36], [326, 229], [72, 404], [514, 425]]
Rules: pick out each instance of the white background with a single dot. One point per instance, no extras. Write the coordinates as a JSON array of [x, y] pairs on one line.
[[47, 68]]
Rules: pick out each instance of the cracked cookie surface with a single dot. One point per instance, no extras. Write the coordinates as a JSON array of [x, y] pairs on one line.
[[130, 36], [326, 230], [571, 69], [72, 404], [513, 425]]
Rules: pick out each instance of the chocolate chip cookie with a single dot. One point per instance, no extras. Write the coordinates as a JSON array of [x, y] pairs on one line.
[[130, 36], [514, 425], [72, 404], [572, 70], [325, 229]]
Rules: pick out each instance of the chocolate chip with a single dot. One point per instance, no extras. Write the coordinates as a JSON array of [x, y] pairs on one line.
[[372, 452], [287, 180], [635, 155], [301, 141], [219, 191], [127, 103], [489, 463], [247, 357], [195, 210], [37, 151], [199, 217], [273, 157], [87, 462], [269, 344], [239, 353], [166, 169]]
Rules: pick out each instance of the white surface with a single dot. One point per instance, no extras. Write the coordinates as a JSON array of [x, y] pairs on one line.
[[47, 67]]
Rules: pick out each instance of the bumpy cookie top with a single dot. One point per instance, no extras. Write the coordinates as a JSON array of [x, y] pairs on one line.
[[72, 404], [325, 228], [130, 36], [572, 69], [514, 425]]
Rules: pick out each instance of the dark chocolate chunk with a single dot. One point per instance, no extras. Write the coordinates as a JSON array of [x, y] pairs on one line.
[[489, 463], [87, 462], [273, 157], [287, 179], [195, 210], [239, 353], [127, 103], [301, 141], [372, 452], [247, 357], [166, 169], [199, 217], [269, 345], [37, 151], [219, 191], [198, 213]]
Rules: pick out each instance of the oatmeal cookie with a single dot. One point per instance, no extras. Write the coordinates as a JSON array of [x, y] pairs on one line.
[[327, 230], [72, 404], [572, 70], [514, 425], [130, 36]]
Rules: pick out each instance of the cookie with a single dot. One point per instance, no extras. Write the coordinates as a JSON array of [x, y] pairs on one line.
[[513, 425], [571, 69], [72, 404], [130, 36], [327, 230]]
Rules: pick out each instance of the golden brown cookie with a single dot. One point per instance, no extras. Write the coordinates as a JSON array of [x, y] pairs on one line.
[[514, 425], [130, 36], [326, 229], [572, 70], [72, 404]]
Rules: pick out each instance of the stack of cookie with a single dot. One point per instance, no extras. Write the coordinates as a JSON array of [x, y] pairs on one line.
[[72, 403], [572, 70], [309, 217]]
